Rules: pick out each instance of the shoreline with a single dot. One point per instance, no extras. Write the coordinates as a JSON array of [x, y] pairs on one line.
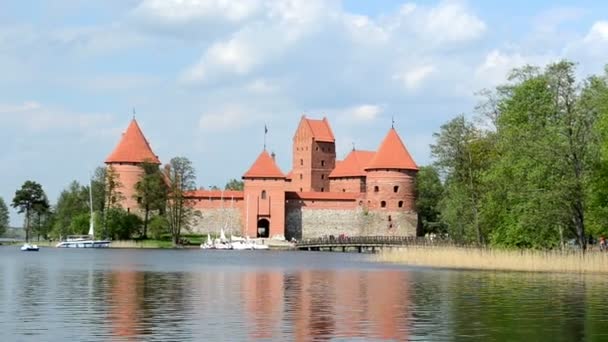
[[459, 258]]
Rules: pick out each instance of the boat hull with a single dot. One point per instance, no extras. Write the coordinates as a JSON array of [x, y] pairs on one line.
[[84, 244]]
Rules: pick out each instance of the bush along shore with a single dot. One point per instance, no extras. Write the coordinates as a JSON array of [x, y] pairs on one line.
[[498, 259]]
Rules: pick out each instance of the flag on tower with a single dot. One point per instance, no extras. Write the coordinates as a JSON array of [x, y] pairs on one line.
[[265, 129]]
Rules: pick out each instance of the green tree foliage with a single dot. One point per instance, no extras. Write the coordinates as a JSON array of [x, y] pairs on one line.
[[30, 200], [536, 176], [112, 196], [122, 225], [71, 212], [180, 177], [4, 217], [159, 226], [429, 191], [150, 192], [235, 184]]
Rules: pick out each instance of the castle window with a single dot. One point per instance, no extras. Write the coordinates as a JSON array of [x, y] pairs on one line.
[[396, 188], [300, 189], [263, 194], [322, 162], [301, 176], [343, 190], [400, 204], [383, 204], [301, 162], [376, 188], [317, 148], [322, 189], [390, 218], [322, 176]]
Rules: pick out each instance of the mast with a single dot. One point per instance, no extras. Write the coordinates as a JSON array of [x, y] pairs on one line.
[[91, 224]]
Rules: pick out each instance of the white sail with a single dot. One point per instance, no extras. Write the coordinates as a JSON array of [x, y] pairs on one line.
[[222, 235], [209, 240]]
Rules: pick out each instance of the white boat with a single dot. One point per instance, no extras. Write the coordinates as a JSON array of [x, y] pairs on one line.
[[208, 244], [258, 246], [85, 241], [241, 245], [29, 248]]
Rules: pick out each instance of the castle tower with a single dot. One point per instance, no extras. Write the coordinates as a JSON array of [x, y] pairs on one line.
[[390, 177], [264, 196], [314, 155], [349, 174], [126, 159]]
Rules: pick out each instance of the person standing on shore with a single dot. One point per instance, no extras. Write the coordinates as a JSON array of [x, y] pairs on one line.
[[602, 243]]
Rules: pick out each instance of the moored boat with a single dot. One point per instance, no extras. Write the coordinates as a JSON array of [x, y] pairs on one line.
[[29, 248]]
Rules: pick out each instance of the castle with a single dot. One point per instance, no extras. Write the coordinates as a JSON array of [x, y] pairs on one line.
[[367, 193]]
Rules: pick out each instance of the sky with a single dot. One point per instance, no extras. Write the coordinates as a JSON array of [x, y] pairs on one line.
[[205, 76]]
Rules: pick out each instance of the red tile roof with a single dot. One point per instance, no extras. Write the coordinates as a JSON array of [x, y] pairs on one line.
[[344, 196], [353, 165], [264, 167], [392, 154], [133, 147], [320, 130], [226, 194]]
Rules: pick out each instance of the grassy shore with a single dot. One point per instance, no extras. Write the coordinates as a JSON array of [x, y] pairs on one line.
[[496, 259]]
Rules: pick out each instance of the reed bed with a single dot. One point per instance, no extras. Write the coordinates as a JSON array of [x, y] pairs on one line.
[[497, 259]]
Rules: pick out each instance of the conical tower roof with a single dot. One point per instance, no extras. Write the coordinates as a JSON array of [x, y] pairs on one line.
[[392, 154], [264, 167], [133, 147], [353, 165]]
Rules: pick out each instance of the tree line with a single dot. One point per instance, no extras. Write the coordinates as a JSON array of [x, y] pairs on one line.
[[160, 193], [530, 170]]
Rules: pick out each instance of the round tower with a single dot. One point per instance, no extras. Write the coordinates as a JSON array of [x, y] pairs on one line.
[[390, 185], [126, 160]]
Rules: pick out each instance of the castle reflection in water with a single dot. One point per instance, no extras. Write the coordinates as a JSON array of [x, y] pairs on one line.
[[265, 304]]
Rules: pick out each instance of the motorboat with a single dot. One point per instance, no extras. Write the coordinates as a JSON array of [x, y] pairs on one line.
[[241, 245], [29, 248], [82, 242], [258, 246]]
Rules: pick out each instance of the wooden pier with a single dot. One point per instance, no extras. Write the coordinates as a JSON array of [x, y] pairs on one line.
[[364, 243]]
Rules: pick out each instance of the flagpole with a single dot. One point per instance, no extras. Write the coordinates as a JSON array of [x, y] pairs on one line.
[[265, 132]]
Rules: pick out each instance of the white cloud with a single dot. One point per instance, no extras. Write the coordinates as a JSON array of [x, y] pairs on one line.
[[186, 11], [38, 118], [413, 78], [228, 118], [598, 33], [452, 22]]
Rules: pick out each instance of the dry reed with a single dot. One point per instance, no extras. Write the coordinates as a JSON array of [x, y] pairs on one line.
[[496, 259]]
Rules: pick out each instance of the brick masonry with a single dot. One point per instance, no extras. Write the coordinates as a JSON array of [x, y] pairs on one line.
[[303, 223]]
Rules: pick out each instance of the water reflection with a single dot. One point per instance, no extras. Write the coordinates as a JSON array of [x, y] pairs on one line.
[[175, 296]]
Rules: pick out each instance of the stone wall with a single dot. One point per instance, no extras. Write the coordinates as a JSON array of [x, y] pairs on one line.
[[303, 223], [211, 220]]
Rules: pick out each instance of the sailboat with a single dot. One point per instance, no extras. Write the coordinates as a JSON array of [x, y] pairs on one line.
[[85, 241]]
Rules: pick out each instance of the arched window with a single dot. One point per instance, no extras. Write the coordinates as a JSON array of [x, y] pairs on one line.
[[322, 189], [301, 162], [301, 176], [322, 176], [263, 194], [400, 204], [322, 162], [396, 188], [383, 204], [376, 188], [390, 218]]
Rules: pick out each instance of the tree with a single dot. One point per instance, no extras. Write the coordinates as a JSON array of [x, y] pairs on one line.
[[112, 195], [4, 217], [180, 177], [235, 184], [429, 192], [460, 153], [28, 200], [150, 192], [71, 209]]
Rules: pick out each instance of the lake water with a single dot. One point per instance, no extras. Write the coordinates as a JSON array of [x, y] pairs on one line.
[[183, 295]]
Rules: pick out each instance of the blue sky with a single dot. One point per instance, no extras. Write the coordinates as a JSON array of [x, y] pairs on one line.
[[204, 76]]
